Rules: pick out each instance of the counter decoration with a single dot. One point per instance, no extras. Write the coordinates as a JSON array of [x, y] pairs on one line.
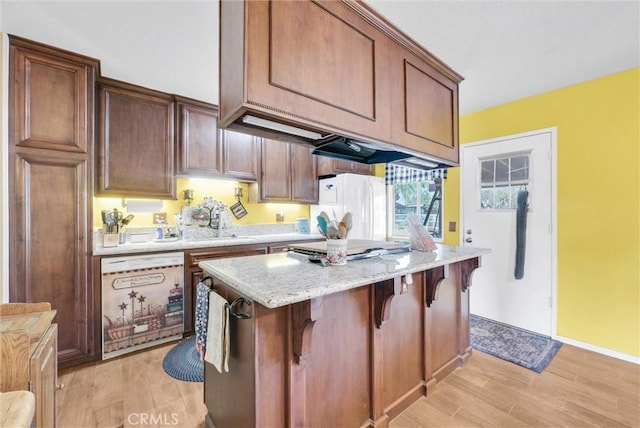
[[336, 233], [420, 239], [113, 225]]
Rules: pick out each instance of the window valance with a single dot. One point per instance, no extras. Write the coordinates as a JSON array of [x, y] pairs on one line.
[[401, 174]]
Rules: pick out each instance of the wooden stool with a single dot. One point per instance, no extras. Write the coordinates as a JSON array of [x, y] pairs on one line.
[[17, 409]]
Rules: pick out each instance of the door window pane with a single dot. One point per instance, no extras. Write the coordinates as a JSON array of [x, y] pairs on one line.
[[502, 170], [519, 168], [488, 171], [501, 179]]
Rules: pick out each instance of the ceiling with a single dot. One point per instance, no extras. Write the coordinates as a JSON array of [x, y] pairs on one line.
[[508, 50]]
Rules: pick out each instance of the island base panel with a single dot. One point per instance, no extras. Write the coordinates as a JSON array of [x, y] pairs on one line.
[[348, 364]]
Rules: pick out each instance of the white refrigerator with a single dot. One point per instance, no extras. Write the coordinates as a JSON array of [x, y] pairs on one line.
[[362, 195]]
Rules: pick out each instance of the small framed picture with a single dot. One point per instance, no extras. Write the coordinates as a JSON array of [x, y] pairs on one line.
[[238, 210]]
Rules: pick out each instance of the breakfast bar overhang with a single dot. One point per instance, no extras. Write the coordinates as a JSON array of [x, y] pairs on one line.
[[338, 346]]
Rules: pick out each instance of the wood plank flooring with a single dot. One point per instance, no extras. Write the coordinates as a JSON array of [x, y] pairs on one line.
[[579, 388], [129, 391]]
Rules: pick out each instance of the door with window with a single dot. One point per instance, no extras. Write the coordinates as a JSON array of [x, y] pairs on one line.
[[492, 174]]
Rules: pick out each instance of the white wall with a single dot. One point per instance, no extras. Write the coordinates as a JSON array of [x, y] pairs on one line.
[[171, 46]]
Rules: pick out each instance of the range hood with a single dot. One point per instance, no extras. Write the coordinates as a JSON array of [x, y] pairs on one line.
[[356, 151], [341, 147]]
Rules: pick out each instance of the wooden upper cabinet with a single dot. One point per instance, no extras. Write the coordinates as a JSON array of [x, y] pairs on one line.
[[304, 175], [205, 151], [240, 155], [425, 107], [334, 67], [275, 172], [135, 141], [331, 166], [318, 64], [288, 174], [52, 97], [199, 150]]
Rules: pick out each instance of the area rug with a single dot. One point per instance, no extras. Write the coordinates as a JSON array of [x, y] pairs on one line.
[[183, 362], [525, 348]]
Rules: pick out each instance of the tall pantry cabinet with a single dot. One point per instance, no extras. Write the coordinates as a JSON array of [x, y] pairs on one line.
[[51, 139]]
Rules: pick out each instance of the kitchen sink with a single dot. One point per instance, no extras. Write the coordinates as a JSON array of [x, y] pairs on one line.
[[221, 238]]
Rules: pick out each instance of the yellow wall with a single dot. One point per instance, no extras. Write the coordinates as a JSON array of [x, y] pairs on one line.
[[217, 189], [598, 200]]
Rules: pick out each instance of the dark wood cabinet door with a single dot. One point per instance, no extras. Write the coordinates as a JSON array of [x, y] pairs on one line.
[[425, 108], [319, 62], [352, 167], [51, 146], [363, 168], [199, 150], [50, 243], [330, 166], [304, 175], [135, 141], [51, 97], [240, 155], [275, 175]]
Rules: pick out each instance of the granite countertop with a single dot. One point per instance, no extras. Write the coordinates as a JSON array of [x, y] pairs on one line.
[[184, 244], [275, 280]]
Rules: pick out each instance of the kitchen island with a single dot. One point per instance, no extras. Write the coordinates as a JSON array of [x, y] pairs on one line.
[[339, 346]]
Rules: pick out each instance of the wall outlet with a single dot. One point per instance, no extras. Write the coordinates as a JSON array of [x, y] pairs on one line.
[[452, 226], [159, 218], [279, 216]]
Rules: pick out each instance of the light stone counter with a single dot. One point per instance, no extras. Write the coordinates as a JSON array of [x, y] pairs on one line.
[[181, 244], [275, 280]]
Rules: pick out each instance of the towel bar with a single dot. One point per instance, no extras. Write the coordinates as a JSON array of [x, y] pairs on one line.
[[232, 307], [237, 314]]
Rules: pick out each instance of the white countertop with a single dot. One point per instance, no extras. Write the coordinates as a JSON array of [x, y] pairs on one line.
[[275, 280], [181, 244]]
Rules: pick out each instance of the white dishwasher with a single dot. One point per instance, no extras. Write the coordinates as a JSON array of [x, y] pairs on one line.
[[142, 301]]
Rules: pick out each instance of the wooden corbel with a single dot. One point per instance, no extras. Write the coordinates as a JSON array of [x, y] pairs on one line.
[[383, 293], [303, 317], [432, 279], [466, 269]]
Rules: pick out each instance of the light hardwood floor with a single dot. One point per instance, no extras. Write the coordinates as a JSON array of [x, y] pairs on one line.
[[578, 389]]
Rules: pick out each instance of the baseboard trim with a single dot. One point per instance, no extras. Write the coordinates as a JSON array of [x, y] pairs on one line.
[[599, 350]]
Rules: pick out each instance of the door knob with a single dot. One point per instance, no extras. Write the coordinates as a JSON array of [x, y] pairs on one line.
[[468, 240]]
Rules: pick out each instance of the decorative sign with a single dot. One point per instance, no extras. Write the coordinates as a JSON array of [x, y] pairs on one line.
[[238, 210], [138, 280]]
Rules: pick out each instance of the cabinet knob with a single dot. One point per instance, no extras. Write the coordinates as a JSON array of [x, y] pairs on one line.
[[59, 386]]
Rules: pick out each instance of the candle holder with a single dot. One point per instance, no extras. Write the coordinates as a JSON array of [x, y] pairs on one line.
[[187, 195], [237, 192]]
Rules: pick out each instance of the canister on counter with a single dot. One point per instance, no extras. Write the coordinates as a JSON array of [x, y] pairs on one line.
[[302, 225]]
